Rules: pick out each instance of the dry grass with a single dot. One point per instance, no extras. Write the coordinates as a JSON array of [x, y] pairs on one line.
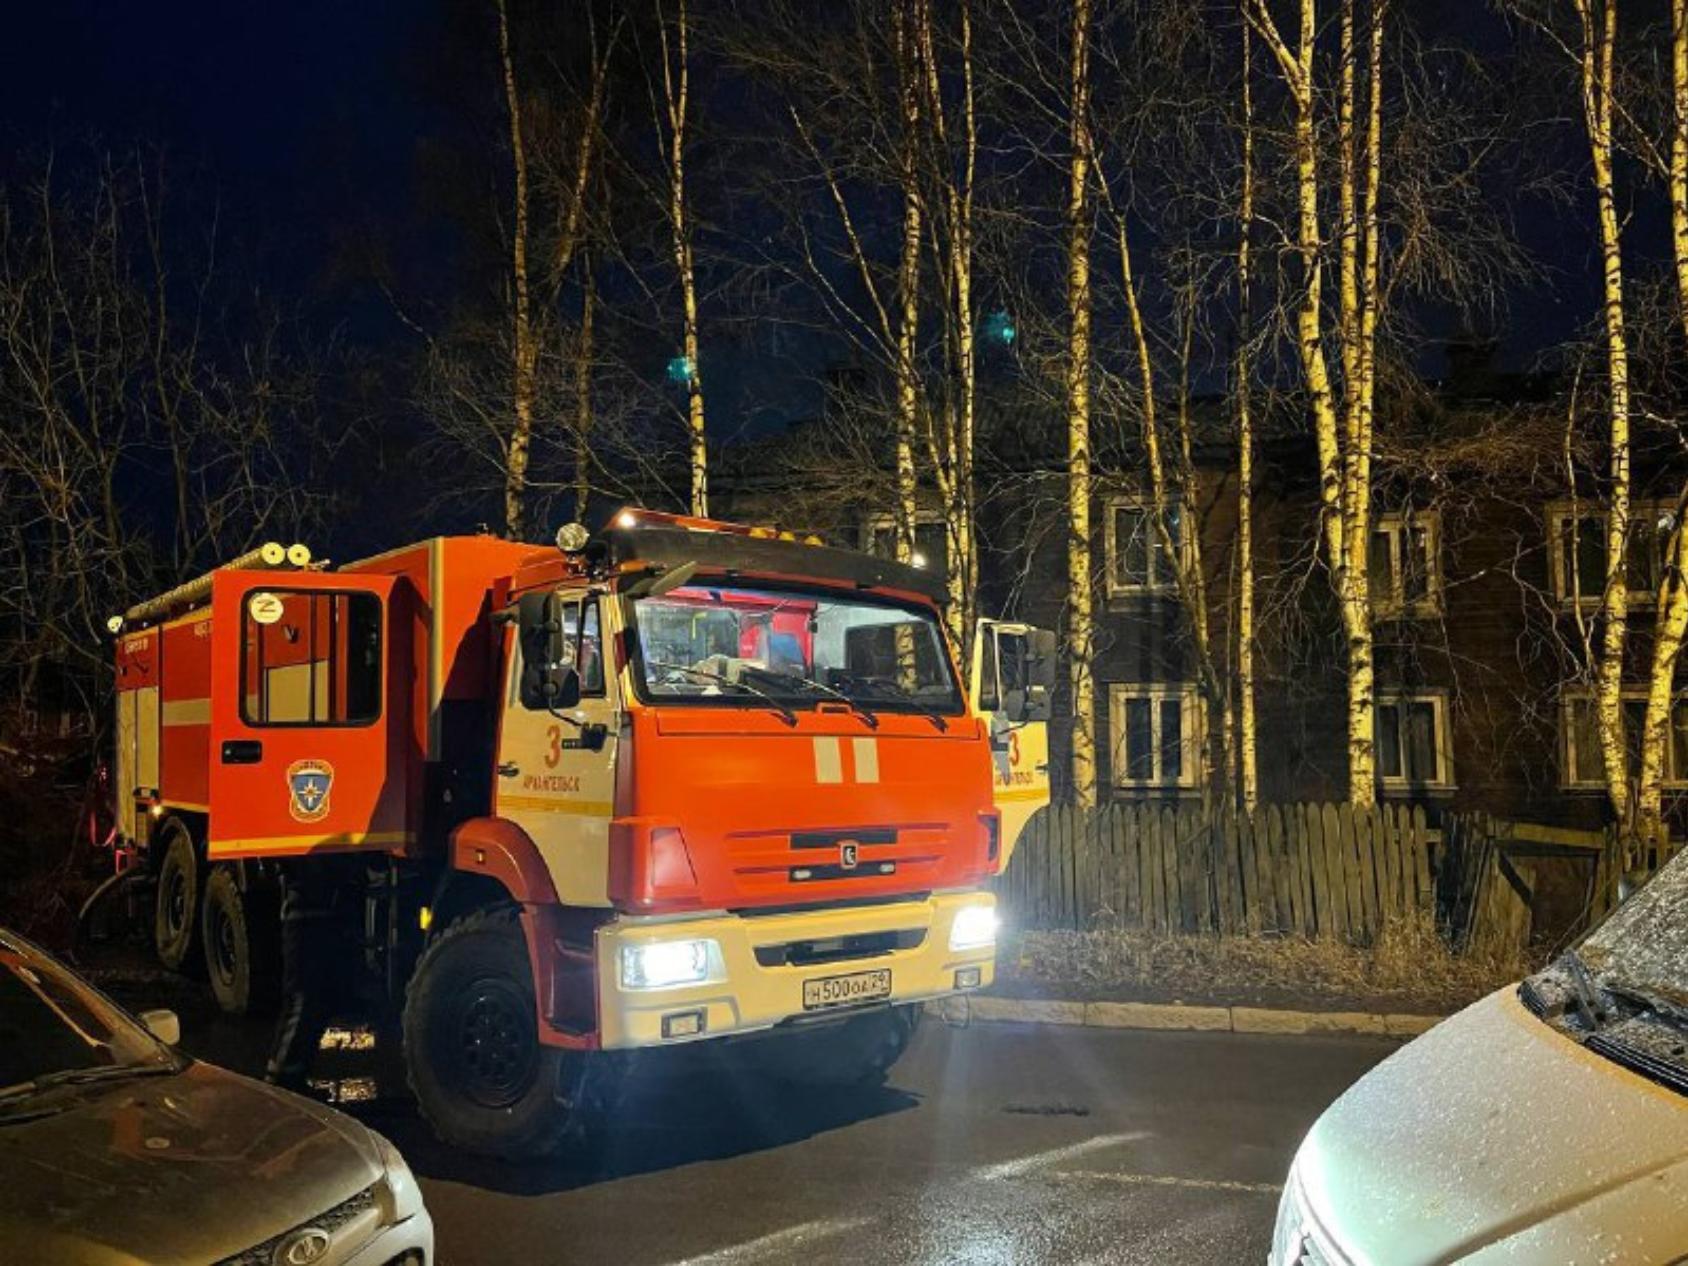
[[1409, 966]]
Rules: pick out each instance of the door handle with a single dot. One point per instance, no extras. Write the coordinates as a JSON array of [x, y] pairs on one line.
[[242, 751], [509, 769]]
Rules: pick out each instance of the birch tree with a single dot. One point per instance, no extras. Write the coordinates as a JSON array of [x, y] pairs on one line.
[[524, 343], [676, 85], [1080, 598], [951, 433], [1342, 427], [1598, 20], [1671, 613], [1247, 766], [492, 375]]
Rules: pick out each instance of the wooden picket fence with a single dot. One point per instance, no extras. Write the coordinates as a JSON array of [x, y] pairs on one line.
[[1315, 870], [1489, 869]]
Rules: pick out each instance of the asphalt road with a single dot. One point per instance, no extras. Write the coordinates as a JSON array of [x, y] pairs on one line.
[[992, 1144]]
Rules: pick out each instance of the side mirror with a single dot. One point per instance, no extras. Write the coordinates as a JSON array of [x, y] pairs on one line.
[[1028, 674], [548, 680], [162, 1024]]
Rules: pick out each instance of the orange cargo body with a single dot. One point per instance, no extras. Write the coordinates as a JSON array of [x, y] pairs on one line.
[[289, 738]]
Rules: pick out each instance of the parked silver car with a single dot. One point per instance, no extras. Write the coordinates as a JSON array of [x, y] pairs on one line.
[[1547, 1123], [115, 1148]]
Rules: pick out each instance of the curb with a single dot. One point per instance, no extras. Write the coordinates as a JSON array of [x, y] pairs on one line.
[[1183, 1018]]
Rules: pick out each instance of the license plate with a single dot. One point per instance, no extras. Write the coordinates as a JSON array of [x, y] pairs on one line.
[[841, 991]]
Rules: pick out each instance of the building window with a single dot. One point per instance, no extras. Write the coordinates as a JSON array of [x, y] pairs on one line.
[[1578, 557], [1580, 726], [931, 540], [1410, 732], [1138, 559], [1405, 565], [1156, 732]]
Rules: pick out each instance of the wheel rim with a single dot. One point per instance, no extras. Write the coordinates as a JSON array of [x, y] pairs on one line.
[[494, 1043], [175, 902], [224, 957]]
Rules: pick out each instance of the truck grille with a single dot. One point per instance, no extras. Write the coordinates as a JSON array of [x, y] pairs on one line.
[[837, 948]]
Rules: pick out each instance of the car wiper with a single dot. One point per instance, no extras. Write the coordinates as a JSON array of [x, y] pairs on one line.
[[855, 705], [1583, 990], [82, 1076], [1647, 1000], [785, 712], [112, 1072]]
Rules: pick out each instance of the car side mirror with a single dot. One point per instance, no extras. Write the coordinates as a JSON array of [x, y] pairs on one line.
[[547, 681], [163, 1024]]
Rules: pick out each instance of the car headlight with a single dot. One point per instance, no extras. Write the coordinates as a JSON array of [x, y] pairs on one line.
[[974, 928], [400, 1192], [669, 964]]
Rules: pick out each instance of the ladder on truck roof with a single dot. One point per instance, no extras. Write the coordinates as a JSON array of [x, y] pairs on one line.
[[270, 556]]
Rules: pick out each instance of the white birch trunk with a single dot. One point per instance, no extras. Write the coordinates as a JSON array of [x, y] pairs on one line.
[[1080, 634], [1248, 776], [525, 349]]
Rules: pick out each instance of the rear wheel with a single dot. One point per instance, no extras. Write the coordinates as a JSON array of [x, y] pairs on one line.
[[472, 1047], [175, 923], [242, 950], [859, 1052]]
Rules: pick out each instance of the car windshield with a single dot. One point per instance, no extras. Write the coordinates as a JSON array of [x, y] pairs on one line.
[[52, 1025], [1643, 947], [742, 646]]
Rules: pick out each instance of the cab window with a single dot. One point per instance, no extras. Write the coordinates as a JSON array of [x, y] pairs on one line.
[[310, 658]]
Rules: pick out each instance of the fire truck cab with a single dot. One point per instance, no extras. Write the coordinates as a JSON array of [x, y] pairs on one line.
[[680, 781]]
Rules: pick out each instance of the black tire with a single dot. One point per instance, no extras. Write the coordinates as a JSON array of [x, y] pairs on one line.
[[472, 1049], [241, 935], [860, 1052], [175, 918]]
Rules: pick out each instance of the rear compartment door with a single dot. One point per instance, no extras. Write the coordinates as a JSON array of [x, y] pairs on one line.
[[1012, 671], [307, 714]]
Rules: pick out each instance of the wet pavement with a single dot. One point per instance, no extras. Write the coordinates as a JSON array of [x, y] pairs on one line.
[[991, 1144]]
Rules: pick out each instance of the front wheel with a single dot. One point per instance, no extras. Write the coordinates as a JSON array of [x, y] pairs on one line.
[[472, 1049], [859, 1052]]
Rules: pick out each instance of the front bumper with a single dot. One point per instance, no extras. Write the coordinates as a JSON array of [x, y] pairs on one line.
[[414, 1236], [756, 993]]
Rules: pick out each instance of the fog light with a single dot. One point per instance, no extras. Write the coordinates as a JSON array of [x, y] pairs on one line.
[[974, 928], [666, 964], [969, 977], [682, 1024]]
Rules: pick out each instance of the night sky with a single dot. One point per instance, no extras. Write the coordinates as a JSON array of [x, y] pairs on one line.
[[304, 118]]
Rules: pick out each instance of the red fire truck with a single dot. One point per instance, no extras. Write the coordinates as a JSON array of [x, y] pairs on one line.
[[678, 781]]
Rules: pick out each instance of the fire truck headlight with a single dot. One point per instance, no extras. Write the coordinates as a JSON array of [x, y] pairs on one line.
[[400, 1194], [974, 928], [669, 964]]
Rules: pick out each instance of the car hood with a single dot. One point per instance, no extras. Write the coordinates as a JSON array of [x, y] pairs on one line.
[[1495, 1137], [192, 1166]]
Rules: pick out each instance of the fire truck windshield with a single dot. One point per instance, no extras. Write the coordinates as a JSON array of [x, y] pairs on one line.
[[742, 646]]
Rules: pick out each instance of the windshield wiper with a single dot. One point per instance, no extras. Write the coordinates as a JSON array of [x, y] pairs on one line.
[[870, 717], [1583, 990], [903, 696], [82, 1076], [786, 714], [1646, 1000]]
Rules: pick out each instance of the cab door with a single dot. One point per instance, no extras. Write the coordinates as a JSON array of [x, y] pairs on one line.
[[307, 715], [1013, 675], [555, 774]]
